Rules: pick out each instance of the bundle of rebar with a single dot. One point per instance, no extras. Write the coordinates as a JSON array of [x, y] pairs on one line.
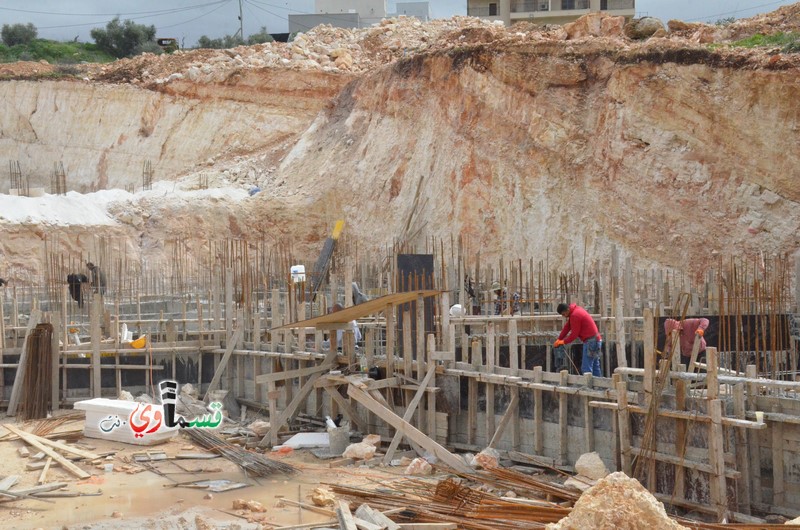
[[254, 464], [38, 373]]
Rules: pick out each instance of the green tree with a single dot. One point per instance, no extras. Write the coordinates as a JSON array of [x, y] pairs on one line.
[[121, 39], [228, 41], [18, 34], [261, 37]]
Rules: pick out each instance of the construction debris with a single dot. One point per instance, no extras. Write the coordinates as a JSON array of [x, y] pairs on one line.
[[252, 463], [617, 502]]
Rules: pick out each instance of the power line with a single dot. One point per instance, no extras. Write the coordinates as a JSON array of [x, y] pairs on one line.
[[258, 5], [739, 10], [219, 4], [222, 4], [161, 12]]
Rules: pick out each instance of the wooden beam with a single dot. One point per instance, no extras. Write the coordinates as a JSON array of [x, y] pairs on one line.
[[271, 436], [16, 390], [409, 430], [509, 413], [563, 423], [35, 441], [719, 491], [291, 374], [345, 517], [224, 362], [398, 435]]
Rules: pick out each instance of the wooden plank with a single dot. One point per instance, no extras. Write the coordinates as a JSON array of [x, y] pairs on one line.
[[680, 439], [69, 449], [430, 397], [538, 421], [472, 397], [513, 405], [515, 424], [366, 513], [742, 452], [428, 526], [8, 482], [290, 374], [237, 335], [778, 487], [650, 363], [624, 427], [588, 417], [409, 412], [55, 352], [695, 353], [408, 430], [35, 441], [16, 390], [96, 336], [43, 474], [345, 517], [719, 495], [712, 379], [513, 346], [270, 438], [563, 435]]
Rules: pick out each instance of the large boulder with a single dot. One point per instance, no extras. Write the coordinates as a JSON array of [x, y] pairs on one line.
[[595, 25], [643, 28]]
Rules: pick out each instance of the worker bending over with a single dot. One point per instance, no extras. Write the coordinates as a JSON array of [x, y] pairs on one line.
[[580, 325], [687, 330]]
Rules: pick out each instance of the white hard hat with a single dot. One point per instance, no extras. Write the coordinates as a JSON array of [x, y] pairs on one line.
[[457, 311]]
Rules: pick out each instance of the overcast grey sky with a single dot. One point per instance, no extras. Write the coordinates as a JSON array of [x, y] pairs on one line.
[[189, 19]]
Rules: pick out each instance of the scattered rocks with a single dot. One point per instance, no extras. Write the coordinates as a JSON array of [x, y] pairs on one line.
[[323, 497], [252, 506], [643, 28]]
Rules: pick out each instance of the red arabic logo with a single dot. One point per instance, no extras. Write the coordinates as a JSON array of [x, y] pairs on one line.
[[140, 419]]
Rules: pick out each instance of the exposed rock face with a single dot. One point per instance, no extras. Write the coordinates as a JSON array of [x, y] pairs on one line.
[[534, 150], [103, 133], [526, 143]]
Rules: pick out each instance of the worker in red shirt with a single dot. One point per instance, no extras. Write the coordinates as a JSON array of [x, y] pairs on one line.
[[580, 325], [688, 329]]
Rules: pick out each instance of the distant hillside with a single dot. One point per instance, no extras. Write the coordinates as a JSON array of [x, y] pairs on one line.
[[54, 52]]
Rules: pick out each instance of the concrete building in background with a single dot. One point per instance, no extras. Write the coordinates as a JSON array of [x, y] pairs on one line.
[[546, 11], [421, 10], [354, 13], [369, 11]]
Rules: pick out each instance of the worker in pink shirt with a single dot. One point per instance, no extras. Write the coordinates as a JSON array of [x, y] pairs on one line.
[[580, 325], [688, 329]]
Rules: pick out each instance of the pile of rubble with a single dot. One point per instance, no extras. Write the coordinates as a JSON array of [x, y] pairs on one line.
[[617, 502]]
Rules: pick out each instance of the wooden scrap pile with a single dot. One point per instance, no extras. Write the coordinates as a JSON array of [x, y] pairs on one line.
[[45, 454], [453, 501]]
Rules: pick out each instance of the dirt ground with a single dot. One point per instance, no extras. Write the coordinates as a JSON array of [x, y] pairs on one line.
[[148, 500]]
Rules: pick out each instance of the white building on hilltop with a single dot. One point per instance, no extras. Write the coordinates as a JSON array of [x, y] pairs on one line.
[[546, 11], [355, 13]]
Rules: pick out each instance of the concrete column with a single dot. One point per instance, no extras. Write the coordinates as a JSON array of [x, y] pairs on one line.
[[505, 11], [594, 5]]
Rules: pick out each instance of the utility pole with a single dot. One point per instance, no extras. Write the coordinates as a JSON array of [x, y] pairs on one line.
[[241, 22]]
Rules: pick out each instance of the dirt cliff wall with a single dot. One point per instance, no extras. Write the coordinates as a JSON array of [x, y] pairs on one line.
[[563, 150]]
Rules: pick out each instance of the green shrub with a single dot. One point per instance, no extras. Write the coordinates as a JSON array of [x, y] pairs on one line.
[[788, 42], [121, 39], [18, 34]]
